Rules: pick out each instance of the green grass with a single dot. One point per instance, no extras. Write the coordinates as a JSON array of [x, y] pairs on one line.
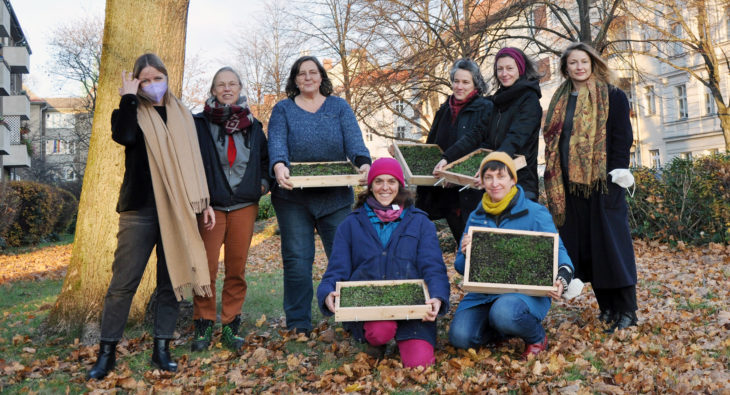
[[63, 239]]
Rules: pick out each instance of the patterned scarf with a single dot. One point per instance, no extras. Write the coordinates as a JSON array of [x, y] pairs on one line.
[[496, 208], [587, 155], [456, 105], [232, 118], [384, 213]]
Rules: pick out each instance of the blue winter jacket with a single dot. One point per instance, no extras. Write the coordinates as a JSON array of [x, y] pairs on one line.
[[413, 252], [523, 214]]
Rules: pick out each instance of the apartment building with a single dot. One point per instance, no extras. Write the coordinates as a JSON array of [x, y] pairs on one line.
[[14, 103]]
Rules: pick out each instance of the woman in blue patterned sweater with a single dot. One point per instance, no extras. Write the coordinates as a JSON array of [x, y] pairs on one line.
[[310, 125]]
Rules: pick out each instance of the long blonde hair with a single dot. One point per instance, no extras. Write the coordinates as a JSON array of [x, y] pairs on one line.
[[599, 67]]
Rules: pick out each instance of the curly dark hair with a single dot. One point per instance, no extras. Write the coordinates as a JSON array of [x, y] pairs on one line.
[[404, 198], [325, 87]]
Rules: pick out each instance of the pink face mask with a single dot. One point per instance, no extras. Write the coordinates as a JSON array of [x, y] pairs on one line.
[[155, 90]]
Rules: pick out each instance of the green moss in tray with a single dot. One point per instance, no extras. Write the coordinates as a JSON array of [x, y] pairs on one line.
[[321, 169], [468, 167], [421, 159], [511, 259], [406, 294]]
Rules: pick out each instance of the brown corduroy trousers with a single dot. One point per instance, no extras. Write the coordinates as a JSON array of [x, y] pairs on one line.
[[235, 230]]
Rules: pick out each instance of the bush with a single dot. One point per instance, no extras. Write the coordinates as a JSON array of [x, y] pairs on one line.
[[266, 209], [42, 211], [68, 207], [9, 202], [688, 201]]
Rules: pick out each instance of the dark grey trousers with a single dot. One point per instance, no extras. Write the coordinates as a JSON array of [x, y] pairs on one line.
[[139, 232]]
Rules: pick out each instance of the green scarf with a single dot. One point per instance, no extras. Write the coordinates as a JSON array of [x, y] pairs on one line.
[[496, 208], [587, 156]]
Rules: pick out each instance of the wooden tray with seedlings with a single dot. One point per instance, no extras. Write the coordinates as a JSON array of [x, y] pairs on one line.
[[463, 170], [381, 300], [507, 260], [418, 161], [323, 174]]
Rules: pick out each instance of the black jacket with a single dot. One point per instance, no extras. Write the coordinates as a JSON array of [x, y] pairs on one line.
[[474, 113], [249, 189], [513, 128], [136, 191]]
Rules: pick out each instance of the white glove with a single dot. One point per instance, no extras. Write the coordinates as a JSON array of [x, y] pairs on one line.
[[622, 177], [574, 289]]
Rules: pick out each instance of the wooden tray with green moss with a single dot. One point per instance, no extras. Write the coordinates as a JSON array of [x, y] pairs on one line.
[[418, 161], [381, 300], [506, 260], [323, 174], [462, 171]]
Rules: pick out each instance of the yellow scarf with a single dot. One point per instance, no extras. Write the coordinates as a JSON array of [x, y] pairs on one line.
[[496, 208]]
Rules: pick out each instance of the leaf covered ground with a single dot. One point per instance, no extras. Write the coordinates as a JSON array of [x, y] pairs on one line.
[[681, 344]]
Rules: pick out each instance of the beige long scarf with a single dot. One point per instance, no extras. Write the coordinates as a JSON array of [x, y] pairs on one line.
[[181, 191]]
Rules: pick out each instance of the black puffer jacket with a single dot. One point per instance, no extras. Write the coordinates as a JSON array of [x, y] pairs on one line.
[[513, 128]]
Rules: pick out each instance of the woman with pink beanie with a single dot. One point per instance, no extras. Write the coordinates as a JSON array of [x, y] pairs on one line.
[[387, 238]]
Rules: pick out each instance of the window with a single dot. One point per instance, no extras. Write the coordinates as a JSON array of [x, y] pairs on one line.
[[59, 147], [676, 35], [655, 158], [710, 108], [650, 97], [400, 107], [632, 159], [686, 155], [713, 151], [57, 120], [645, 38], [543, 67], [400, 132], [680, 94], [369, 134]]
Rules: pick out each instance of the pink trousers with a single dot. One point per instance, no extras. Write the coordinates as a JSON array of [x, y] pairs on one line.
[[413, 352]]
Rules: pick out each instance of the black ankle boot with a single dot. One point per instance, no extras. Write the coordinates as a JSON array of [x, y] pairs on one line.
[[607, 316], [623, 321], [203, 335], [161, 357], [105, 361]]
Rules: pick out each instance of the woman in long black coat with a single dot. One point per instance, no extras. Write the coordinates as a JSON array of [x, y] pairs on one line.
[[514, 125], [588, 138], [456, 117]]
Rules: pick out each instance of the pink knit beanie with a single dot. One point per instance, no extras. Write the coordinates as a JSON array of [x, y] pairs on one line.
[[388, 166]]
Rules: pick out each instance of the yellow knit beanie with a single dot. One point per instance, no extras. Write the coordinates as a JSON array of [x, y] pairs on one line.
[[498, 156]]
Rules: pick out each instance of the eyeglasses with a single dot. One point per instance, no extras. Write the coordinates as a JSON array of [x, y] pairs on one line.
[[230, 85]]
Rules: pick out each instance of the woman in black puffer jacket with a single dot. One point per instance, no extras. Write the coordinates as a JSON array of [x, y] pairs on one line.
[[514, 127]]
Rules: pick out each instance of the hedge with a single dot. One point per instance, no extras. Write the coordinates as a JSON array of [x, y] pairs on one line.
[[266, 209], [41, 211], [688, 201]]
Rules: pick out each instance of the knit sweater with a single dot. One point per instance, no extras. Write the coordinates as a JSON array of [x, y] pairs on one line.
[[329, 134]]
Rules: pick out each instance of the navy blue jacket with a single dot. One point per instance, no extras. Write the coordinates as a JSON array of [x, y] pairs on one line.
[[413, 252], [249, 189]]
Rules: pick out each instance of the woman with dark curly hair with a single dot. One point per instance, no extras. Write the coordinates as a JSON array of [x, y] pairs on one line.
[[310, 125]]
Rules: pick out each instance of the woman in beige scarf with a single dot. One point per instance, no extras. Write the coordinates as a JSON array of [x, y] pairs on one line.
[[164, 188]]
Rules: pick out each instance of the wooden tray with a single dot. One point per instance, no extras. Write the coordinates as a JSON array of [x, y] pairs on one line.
[[498, 288], [470, 180], [414, 179], [380, 313], [339, 180]]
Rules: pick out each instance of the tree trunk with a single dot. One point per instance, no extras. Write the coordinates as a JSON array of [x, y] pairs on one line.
[[131, 28]]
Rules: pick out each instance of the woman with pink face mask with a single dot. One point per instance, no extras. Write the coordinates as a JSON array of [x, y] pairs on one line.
[[164, 187]]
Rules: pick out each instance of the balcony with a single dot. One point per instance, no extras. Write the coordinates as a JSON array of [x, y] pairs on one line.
[[4, 79], [18, 105], [4, 140], [17, 58], [4, 20], [18, 156]]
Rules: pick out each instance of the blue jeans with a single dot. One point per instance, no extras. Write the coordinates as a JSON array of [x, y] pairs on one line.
[[297, 224], [506, 317], [139, 232]]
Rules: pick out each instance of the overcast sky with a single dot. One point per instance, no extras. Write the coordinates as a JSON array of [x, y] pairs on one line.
[[209, 23]]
